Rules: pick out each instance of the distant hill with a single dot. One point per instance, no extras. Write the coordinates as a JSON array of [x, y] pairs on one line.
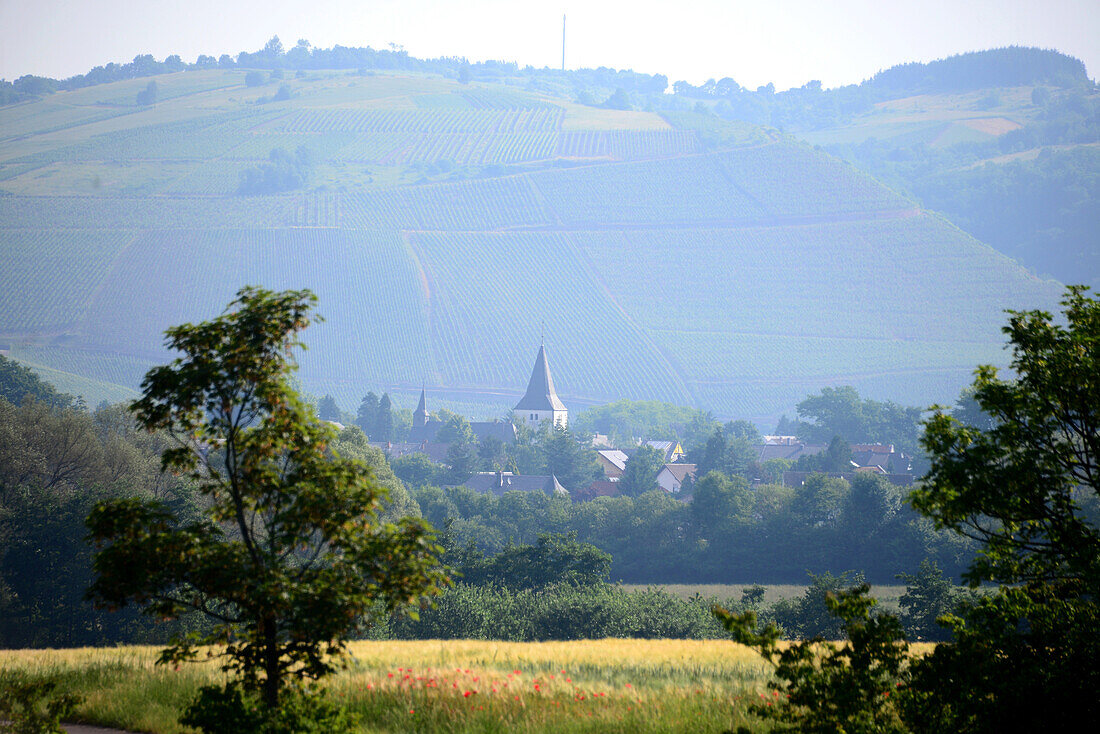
[[446, 225], [1015, 66]]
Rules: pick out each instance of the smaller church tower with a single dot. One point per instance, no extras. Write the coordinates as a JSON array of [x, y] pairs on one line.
[[420, 416], [541, 401]]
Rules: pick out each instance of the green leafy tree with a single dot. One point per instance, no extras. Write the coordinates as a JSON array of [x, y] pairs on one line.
[[929, 596], [1026, 488], [719, 504], [824, 688], [841, 412], [552, 559], [289, 556], [492, 453], [148, 95], [368, 414], [837, 457], [808, 616], [416, 469], [384, 423], [29, 705], [462, 461], [455, 429], [327, 410], [18, 382], [565, 457], [640, 472]]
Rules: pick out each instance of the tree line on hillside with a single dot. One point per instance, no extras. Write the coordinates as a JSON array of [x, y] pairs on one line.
[[303, 57], [1003, 67]]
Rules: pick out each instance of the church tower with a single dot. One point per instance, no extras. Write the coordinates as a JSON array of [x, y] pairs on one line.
[[541, 402], [420, 416]]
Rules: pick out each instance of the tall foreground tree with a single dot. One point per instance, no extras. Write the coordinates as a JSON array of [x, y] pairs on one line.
[[289, 556], [1024, 482], [1026, 485]]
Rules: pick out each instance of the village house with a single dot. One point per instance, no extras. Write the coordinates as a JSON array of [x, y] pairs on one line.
[[671, 478], [612, 461], [499, 482]]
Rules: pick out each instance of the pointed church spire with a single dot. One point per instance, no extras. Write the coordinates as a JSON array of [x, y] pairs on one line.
[[540, 393], [420, 416]]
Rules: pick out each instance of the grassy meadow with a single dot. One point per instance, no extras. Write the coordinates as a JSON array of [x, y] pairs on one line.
[[453, 686]]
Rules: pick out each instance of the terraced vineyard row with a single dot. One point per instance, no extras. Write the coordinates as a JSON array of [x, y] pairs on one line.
[[484, 204], [768, 280], [375, 327], [47, 276], [322, 146], [517, 281], [539, 119], [626, 145], [690, 189], [478, 149], [472, 148], [500, 99], [99, 212], [49, 116], [317, 210], [824, 186], [106, 367], [201, 138], [718, 356]]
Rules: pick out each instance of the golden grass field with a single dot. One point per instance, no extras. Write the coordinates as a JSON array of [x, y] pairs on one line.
[[453, 686]]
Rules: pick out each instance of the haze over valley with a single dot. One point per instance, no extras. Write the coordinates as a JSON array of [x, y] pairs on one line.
[[706, 245]]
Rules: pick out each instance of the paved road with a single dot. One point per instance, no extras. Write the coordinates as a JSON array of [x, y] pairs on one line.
[[85, 729]]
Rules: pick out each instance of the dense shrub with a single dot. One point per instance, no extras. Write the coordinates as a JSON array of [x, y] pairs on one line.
[[229, 709], [561, 612]]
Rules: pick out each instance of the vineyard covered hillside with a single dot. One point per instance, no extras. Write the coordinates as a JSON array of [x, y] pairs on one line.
[[446, 227]]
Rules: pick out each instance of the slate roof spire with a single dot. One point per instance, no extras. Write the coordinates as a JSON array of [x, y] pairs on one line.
[[420, 416], [540, 393]]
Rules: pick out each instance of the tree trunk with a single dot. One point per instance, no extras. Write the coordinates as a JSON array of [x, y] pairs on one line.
[[271, 664]]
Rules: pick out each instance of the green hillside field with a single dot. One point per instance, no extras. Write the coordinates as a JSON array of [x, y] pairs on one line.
[[446, 227]]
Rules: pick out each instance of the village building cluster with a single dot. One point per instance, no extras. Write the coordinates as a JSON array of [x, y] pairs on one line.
[[541, 403]]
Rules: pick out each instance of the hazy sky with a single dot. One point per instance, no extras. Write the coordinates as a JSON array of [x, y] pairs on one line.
[[788, 42]]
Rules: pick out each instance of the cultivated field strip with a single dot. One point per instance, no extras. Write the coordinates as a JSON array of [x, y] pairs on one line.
[[321, 146], [198, 139], [484, 204], [48, 276], [824, 186], [539, 119], [144, 212], [106, 367], [518, 281], [767, 280], [501, 99], [676, 190], [472, 148], [725, 356], [366, 283], [211, 178], [48, 116], [625, 145]]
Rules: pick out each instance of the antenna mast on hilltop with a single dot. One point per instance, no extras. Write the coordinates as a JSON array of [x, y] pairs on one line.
[[563, 42]]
